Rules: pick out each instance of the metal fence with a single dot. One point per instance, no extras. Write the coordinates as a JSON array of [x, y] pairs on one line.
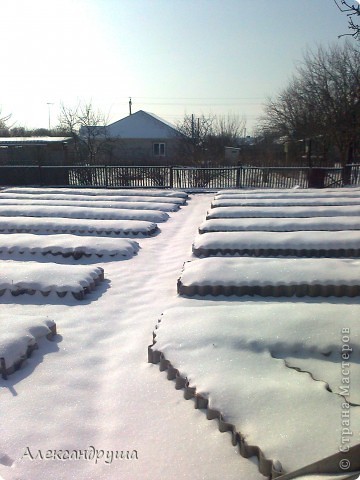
[[189, 178]]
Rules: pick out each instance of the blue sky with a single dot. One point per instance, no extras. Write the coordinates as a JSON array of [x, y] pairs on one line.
[[173, 57]]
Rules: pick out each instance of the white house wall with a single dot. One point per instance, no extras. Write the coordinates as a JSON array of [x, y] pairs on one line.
[[140, 152]]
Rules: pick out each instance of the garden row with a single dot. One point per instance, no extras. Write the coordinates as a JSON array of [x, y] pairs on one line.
[[243, 344], [47, 232]]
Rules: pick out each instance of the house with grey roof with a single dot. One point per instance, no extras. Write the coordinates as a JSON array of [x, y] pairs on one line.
[[141, 138]]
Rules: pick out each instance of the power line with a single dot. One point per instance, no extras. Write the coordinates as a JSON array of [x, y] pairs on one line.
[[229, 99]]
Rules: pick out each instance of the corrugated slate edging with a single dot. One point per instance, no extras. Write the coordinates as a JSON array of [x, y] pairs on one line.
[[277, 252], [270, 277], [266, 466], [9, 366]]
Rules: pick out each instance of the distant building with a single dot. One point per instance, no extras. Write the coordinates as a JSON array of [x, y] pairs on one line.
[[138, 139], [234, 154], [35, 150]]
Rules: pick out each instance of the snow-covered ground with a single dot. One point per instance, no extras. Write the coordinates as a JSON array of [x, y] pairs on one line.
[[92, 389]]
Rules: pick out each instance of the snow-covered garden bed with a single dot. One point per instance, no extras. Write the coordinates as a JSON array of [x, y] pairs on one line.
[[273, 277], [99, 191], [299, 244], [289, 193], [78, 226], [133, 205], [67, 245], [279, 224], [20, 278], [278, 212], [18, 339], [81, 212], [281, 202], [270, 372], [103, 196]]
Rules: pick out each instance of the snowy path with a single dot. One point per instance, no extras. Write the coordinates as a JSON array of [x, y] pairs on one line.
[[95, 387]]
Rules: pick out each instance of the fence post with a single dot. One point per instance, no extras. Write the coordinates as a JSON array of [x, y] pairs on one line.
[[171, 177], [238, 176], [106, 177], [40, 176]]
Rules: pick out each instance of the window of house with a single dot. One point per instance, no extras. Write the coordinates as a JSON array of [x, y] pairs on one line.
[[159, 149]]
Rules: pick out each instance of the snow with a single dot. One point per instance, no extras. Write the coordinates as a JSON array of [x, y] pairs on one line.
[[66, 244], [286, 211], [270, 276], [333, 476], [289, 194], [289, 201], [46, 277], [80, 212], [79, 226], [98, 389], [279, 224], [96, 191], [34, 140], [165, 207], [94, 197], [264, 351], [307, 243], [92, 386], [19, 334]]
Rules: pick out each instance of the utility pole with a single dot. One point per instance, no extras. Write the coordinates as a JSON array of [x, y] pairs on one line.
[[192, 129], [48, 104], [130, 103]]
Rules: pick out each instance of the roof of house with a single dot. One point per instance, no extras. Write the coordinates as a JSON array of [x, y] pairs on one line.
[[142, 125], [12, 141]]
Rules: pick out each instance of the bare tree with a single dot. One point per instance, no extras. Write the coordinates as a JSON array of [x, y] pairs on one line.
[[4, 128], [229, 131], [193, 135], [352, 12], [203, 139], [231, 126], [321, 102], [88, 128]]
